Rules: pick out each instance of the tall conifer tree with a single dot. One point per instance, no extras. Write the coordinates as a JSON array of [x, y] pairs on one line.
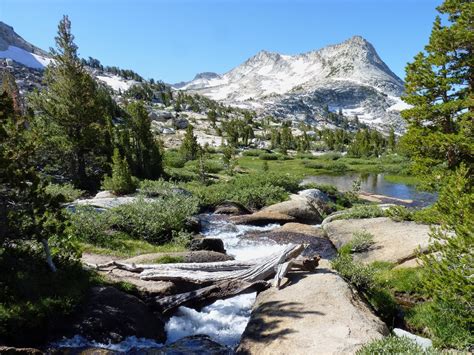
[[71, 104], [440, 86]]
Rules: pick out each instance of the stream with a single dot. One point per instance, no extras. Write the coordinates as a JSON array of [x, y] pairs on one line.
[[224, 321]]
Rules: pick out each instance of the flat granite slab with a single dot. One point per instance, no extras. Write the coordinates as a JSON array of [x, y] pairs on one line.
[[315, 313], [395, 242]]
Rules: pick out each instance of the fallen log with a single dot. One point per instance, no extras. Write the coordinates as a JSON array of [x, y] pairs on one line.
[[215, 266], [203, 273], [205, 295]]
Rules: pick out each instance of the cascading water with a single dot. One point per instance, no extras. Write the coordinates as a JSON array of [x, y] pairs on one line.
[[224, 320]]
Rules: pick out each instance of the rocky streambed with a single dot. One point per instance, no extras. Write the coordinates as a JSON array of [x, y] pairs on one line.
[[315, 312]]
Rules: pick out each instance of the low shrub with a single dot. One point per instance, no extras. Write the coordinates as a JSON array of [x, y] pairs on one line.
[[154, 221], [361, 241], [444, 323], [254, 191], [363, 277], [68, 191], [253, 152], [393, 159], [213, 166], [360, 161], [337, 167], [314, 165], [399, 213], [427, 215], [356, 273], [282, 156], [210, 166], [330, 156], [156, 188], [182, 175], [394, 345], [306, 156], [268, 156], [90, 226], [173, 159]]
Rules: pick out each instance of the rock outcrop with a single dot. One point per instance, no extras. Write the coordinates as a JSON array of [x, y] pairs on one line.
[[263, 217], [109, 316], [305, 207], [231, 208], [395, 242], [300, 207], [298, 233], [209, 244], [315, 314]]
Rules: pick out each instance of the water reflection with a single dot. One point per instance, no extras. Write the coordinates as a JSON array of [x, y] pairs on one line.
[[376, 184]]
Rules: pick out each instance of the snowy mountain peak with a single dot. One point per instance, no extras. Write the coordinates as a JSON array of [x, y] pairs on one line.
[[206, 75], [349, 75], [358, 40]]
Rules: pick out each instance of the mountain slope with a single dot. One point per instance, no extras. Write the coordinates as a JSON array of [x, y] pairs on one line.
[[16, 48], [27, 60], [349, 76]]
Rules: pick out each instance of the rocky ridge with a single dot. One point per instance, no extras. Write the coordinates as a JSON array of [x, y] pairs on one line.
[[349, 76]]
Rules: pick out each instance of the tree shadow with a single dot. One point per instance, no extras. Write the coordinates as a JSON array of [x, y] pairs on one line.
[[265, 323]]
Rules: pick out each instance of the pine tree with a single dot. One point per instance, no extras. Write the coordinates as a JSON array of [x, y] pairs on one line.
[[212, 116], [228, 159], [71, 107], [448, 268], [189, 147], [275, 138], [440, 86], [27, 212], [287, 141], [392, 140], [145, 153], [120, 182], [11, 88]]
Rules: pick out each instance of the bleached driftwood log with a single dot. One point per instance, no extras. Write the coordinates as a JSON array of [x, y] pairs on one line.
[[202, 272], [230, 265], [227, 278], [219, 290]]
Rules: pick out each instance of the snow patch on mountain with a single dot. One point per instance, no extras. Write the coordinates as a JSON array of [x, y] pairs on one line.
[[349, 76], [399, 105], [116, 82], [31, 60]]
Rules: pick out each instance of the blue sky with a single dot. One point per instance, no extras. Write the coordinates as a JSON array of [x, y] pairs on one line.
[[172, 40]]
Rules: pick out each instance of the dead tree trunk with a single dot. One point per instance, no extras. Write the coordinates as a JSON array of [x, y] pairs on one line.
[[220, 290], [203, 273]]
